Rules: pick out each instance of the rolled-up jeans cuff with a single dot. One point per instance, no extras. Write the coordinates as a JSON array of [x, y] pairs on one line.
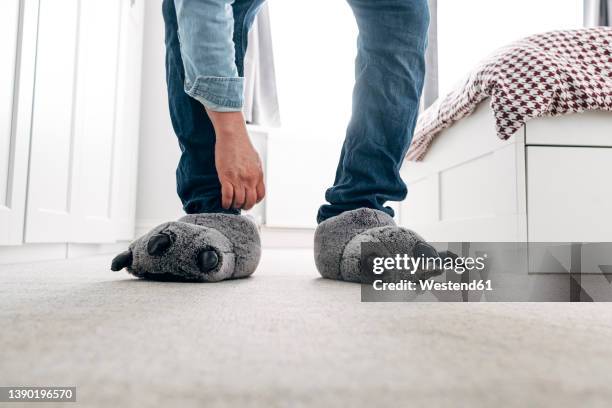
[[219, 94]]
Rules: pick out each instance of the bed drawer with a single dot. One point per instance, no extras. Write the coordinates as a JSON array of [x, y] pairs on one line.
[[593, 128], [569, 195]]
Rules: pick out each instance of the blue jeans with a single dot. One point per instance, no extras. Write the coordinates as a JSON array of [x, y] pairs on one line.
[[389, 72]]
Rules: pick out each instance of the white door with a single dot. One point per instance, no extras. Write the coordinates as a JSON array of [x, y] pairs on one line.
[[17, 48], [94, 131], [73, 135], [127, 120], [51, 157]]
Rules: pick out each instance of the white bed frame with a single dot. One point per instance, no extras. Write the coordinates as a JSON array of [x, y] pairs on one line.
[[550, 182]]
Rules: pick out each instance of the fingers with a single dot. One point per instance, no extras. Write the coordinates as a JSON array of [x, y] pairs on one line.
[[227, 195], [261, 190], [242, 195], [251, 198], [239, 197]]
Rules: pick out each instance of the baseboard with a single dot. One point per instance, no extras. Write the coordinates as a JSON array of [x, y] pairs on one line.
[[286, 238], [49, 252], [81, 250], [32, 253], [271, 238]]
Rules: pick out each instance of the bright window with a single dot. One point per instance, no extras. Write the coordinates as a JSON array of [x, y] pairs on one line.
[[315, 47], [314, 52], [469, 30]]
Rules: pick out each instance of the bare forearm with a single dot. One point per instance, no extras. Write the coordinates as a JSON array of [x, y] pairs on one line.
[[238, 164]]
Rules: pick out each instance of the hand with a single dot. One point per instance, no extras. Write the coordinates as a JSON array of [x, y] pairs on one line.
[[238, 164]]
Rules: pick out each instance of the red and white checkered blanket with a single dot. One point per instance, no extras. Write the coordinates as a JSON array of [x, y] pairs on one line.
[[547, 74]]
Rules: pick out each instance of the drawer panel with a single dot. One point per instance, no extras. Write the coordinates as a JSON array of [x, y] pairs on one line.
[[569, 194], [593, 128]]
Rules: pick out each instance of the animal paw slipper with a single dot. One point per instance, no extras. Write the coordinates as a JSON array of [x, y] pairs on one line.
[[338, 242], [196, 248]]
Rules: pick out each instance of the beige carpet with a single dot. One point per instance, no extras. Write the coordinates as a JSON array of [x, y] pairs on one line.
[[287, 338]]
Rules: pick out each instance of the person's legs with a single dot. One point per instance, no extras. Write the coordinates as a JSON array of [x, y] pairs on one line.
[[390, 68], [204, 58], [193, 85]]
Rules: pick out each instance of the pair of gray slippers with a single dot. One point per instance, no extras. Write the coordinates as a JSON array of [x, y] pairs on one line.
[[216, 247]]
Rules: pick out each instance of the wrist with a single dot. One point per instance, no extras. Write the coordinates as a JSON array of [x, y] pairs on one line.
[[228, 124]]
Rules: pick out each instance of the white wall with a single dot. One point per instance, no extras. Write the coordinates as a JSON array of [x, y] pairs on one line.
[[159, 152], [314, 53], [469, 30]]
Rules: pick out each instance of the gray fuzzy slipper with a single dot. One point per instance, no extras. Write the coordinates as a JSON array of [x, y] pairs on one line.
[[338, 240], [196, 248]]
